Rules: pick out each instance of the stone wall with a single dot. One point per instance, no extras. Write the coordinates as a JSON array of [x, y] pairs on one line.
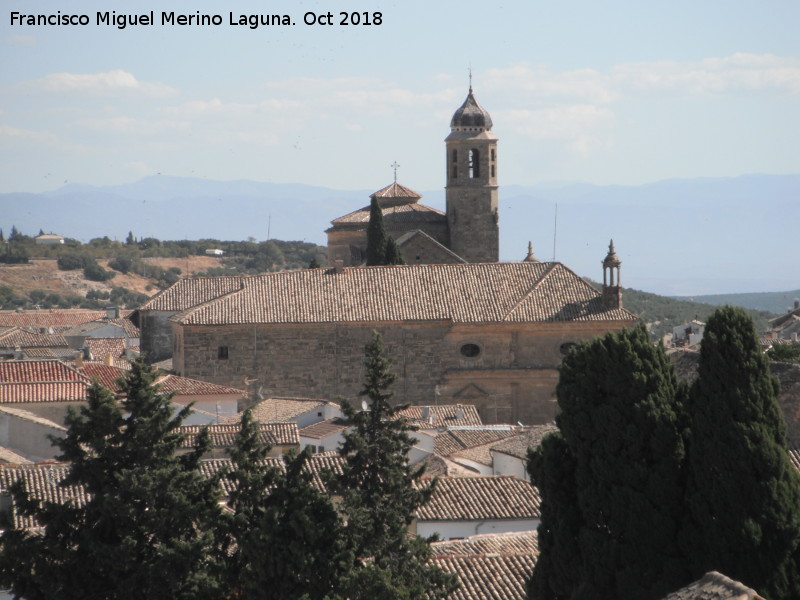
[[156, 334], [507, 370]]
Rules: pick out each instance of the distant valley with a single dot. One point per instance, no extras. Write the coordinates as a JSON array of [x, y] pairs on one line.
[[676, 237]]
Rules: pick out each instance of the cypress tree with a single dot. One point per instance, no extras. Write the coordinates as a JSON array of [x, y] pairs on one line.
[[743, 494], [621, 496], [393, 254], [376, 235], [144, 529], [284, 535], [380, 495]]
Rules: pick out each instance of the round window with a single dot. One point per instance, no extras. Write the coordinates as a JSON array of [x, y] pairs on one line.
[[470, 350]]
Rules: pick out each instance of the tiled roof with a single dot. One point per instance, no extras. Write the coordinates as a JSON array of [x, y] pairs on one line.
[[463, 293], [62, 353], [223, 436], [714, 586], [125, 325], [481, 498], [40, 381], [99, 348], [280, 410], [317, 465], [183, 386], [395, 190], [455, 440], [192, 291], [324, 428], [42, 482], [22, 338], [518, 445], [438, 466], [57, 318], [489, 577], [442, 415], [513, 542], [105, 375], [396, 214]]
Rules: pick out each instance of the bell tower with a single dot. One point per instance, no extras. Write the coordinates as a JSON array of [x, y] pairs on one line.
[[471, 190]]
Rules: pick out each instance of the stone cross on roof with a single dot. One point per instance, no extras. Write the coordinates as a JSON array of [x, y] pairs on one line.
[[395, 166]]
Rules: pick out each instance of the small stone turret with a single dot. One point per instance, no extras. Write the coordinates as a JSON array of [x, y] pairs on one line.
[[612, 291], [530, 257]]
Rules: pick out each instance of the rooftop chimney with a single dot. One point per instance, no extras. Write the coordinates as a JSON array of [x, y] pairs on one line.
[[338, 266], [79, 360]]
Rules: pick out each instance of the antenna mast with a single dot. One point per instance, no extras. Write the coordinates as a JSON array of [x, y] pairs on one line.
[[555, 232]]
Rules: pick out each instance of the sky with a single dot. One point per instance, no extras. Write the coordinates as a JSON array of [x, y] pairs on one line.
[[603, 92]]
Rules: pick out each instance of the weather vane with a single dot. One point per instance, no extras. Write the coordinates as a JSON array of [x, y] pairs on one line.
[[394, 165]]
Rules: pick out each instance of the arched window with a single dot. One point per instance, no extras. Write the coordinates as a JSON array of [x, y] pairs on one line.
[[474, 164]]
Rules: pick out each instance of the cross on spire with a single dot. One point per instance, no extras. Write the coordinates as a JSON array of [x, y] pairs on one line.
[[394, 165], [470, 78]]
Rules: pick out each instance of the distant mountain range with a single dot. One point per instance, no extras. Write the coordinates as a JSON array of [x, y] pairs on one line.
[[675, 237]]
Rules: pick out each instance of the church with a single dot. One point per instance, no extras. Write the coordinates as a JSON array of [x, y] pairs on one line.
[[459, 326], [469, 229]]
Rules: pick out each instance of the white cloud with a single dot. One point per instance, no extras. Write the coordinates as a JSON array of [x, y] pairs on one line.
[[729, 74], [101, 83], [17, 135]]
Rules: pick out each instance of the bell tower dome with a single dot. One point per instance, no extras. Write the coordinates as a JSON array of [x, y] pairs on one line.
[[471, 189]]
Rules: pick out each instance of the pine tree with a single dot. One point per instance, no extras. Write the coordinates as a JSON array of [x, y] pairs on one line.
[[143, 530], [285, 534], [393, 254], [743, 494], [380, 495], [314, 263], [376, 235], [130, 240], [621, 422]]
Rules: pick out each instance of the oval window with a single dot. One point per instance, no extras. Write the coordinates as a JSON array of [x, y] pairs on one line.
[[470, 350]]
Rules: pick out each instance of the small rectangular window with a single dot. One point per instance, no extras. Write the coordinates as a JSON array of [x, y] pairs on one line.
[[222, 353]]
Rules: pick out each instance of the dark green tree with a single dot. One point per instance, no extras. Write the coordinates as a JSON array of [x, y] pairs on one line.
[[743, 494], [284, 534], [314, 263], [393, 254], [380, 495], [130, 240], [144, 528], [376, 235], [623, 446]]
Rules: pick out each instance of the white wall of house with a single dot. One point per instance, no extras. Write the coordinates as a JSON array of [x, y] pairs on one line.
[[318, 413], [326, 444], [423, 447], [27, 434], [479, 468], [505, 464], [449, 530]]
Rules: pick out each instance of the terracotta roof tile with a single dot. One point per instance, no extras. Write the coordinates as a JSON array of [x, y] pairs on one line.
[[105, 375], [56, 318], [281, 410], [40, 381], [519, 444], [396, 214], [22, 338], [503, 577], [477, 498], [223, 436], [464, 293], [442, 415], [183, 386], [513, 542], [715, 586], [192, 291], [324, 428], [100, 348], [41, 480], [456, 440]]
